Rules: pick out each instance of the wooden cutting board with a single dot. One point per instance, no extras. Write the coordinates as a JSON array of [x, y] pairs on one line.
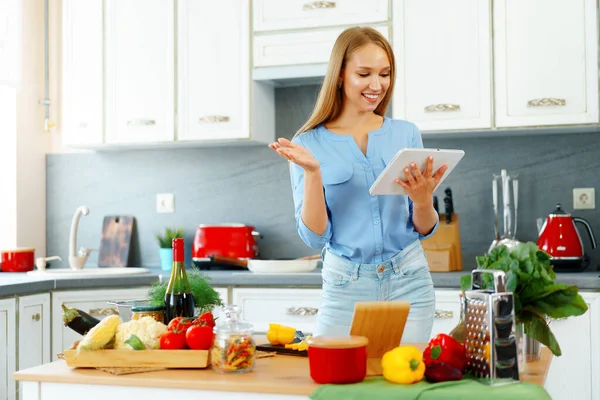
[[115, 241], [280, 349], [382, 322]]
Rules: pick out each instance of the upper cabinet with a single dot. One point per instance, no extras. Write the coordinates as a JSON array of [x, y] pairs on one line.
[[82, 73], [213, 70], [140, 70], [274, 15], [443, 57], [293, 39], [546, 62]]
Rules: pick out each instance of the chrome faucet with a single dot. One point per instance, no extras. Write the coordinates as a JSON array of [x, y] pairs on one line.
[[77, 261]]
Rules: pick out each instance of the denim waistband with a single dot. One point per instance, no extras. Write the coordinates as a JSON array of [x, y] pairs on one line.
[[395, 263]]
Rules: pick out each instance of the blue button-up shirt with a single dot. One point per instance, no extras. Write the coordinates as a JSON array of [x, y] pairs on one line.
[[360, 227]]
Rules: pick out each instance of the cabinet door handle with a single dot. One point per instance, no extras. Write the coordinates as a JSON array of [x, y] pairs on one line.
[[313, 5], [302, 311], [36, 317], [211, 119], [443, 108], [441, 314], [547, 102], [103, 312], [141, 122]]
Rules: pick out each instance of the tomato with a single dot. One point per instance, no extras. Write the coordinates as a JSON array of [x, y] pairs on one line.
[[205, 319], [179, 324], [172, 341], [199, 337]]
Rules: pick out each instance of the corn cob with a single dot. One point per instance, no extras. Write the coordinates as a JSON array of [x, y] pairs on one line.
[[101, 334]]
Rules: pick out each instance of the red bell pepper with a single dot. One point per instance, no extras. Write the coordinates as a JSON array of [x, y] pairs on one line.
[[445, 349]]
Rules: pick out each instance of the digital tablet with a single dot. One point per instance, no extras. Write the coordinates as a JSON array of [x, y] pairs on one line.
[[385, 183]]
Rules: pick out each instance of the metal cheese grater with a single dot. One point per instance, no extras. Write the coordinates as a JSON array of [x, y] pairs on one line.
[[491, 343]]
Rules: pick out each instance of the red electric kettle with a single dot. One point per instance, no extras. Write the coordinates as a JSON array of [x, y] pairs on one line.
[[559, 238]]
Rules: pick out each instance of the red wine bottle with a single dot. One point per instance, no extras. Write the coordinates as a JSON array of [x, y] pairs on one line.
[[179, 301]]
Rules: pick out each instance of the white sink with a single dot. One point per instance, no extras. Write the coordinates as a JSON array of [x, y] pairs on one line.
[[69, 273]]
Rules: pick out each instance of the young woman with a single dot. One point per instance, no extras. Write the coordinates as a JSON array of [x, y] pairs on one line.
[[371, 244]]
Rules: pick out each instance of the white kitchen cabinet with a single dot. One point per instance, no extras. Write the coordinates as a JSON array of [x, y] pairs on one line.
[[447, 311], [82, 73], [571, 376], [140, 71], [213, 70], [8, 349], [443, 56], [546, 62], [273, 15], [297, 48], [93, 302], [291, 307], [34, 331]]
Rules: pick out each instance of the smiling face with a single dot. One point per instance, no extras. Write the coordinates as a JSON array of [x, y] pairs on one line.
[[366, 78]]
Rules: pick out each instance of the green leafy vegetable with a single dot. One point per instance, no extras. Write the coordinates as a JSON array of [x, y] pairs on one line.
[[205, 297], [530, 276]]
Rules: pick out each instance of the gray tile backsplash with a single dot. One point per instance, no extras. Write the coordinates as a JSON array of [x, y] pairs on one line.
[[251, 185]]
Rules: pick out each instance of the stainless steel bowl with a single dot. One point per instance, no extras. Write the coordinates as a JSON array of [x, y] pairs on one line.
[[124, 307]]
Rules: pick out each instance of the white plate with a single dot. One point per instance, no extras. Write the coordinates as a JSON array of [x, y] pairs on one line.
[[282, 266]]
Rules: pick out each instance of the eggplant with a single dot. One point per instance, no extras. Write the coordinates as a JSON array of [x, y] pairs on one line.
[[442, 372], [80, 321]]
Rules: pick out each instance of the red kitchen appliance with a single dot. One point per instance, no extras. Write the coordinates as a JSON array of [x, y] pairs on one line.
[[225, 240], [559, 238], [17, 260]]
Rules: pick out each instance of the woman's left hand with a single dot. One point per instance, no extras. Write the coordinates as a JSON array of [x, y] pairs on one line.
[[420, 186]]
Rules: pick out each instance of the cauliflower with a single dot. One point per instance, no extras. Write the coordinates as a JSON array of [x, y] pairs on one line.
[[146, 328]]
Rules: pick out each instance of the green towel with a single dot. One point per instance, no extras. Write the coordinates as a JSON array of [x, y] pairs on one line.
[[377, 388]]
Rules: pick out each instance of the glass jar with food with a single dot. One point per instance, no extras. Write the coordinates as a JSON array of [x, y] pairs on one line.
[[156, 312], [234, 348]]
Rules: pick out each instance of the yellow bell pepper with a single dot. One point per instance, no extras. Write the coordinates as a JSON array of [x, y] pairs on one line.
[[403, 364], [280, 334]]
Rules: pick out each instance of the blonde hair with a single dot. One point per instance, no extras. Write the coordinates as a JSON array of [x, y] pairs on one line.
[[329, 101]]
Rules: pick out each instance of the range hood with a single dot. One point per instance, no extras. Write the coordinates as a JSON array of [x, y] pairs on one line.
[[292, 75]]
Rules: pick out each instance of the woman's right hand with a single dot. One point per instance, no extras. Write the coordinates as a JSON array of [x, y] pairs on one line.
[[295, 153]]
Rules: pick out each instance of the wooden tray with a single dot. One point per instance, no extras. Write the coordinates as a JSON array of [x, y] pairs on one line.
[[137, 358]]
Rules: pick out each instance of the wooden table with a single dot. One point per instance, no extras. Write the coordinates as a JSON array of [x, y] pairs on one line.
[[279, 377]]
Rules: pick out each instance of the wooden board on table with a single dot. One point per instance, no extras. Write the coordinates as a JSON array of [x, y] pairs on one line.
[[115, 241], [382, 322], [137, 358], [280, 349]]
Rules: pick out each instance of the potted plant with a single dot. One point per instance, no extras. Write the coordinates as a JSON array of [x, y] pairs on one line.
[[537, 297], [165, 243]]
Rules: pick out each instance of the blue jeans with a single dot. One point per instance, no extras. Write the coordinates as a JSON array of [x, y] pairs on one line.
[[404, 277]]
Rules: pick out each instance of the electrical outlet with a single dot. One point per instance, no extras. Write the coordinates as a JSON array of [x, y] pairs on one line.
[[584, 199], [165, 203]]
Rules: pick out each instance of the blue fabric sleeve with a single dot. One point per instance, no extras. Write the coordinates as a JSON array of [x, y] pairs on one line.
[[309, 237], [417, 142]]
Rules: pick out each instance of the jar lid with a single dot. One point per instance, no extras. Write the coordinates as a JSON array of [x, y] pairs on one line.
[[338, 342], [230, 321], [146, 308]]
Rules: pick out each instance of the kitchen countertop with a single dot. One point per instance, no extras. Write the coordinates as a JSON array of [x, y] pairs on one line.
[[19, 283], [286, 375]]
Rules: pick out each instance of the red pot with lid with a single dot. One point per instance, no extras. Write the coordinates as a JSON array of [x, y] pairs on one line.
[[225, 240], [18, 260]]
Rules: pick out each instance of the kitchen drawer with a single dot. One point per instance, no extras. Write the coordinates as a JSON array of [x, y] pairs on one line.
[[272, 15], [298, 47], [291, 307], [93, 302], [447, 311]]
